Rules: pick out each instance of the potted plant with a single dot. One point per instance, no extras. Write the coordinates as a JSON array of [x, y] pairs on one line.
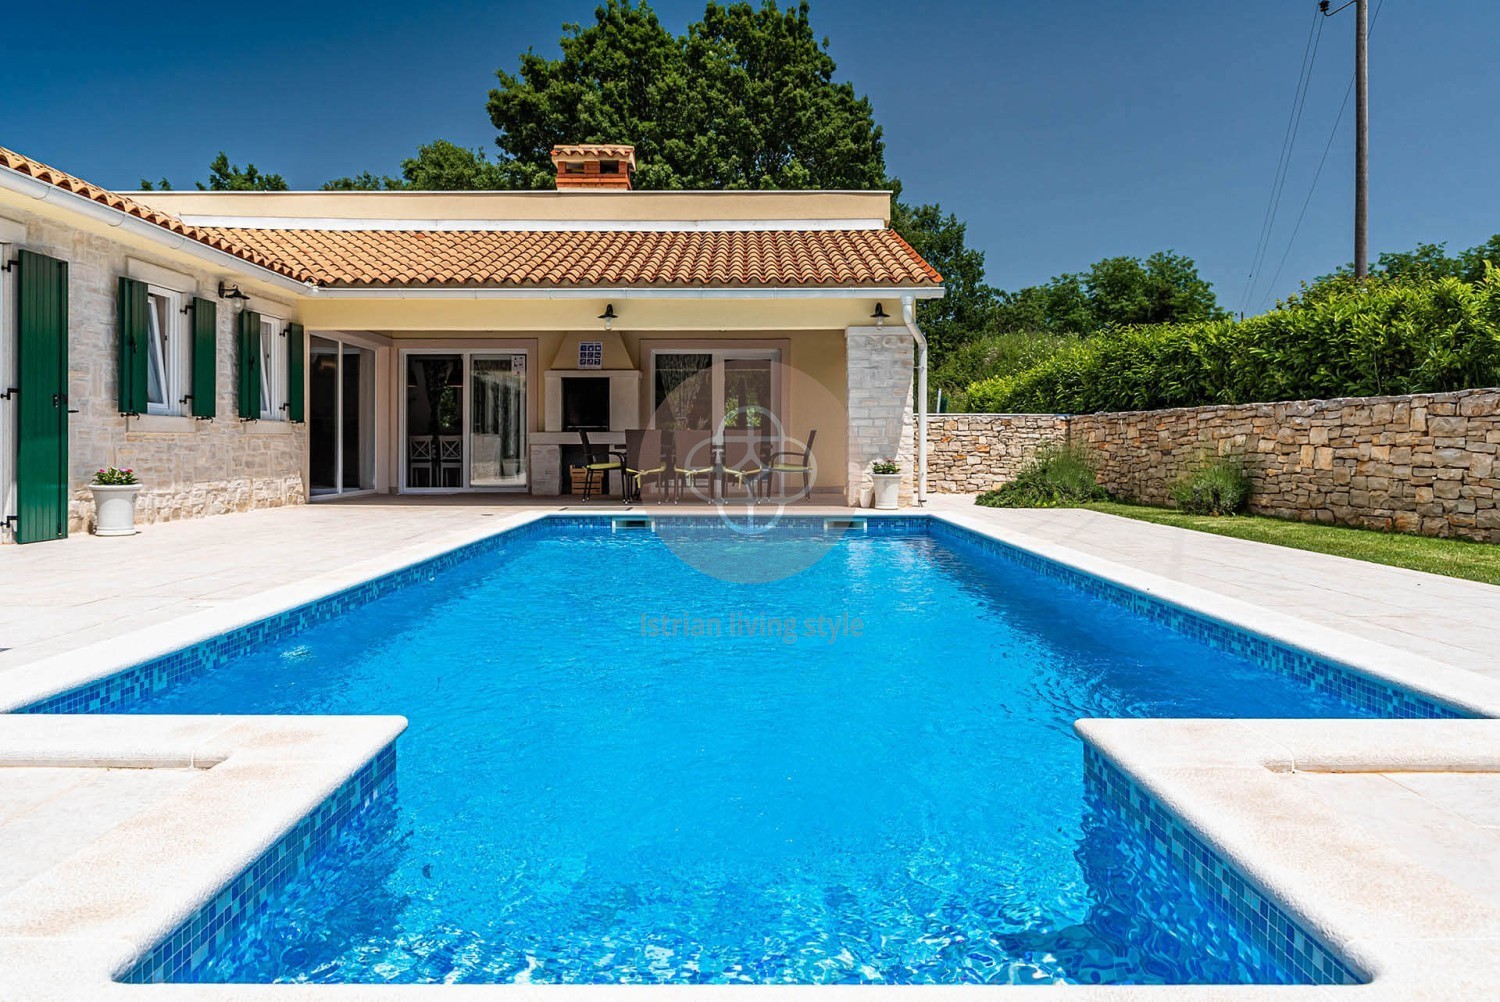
[[887, 476], [114, 502]]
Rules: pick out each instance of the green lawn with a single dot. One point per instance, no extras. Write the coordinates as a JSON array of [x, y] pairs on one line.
[[1454, 557]]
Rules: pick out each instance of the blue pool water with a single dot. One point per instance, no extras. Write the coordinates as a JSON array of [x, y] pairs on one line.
[[621, 767]]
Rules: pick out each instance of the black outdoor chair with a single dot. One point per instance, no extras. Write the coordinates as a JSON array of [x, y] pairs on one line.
[[644, 460], [784, 464], [598, 461]]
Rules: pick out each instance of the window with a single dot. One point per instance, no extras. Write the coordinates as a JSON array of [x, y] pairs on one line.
[[166, 352], [569, 167], [723, 390], [273, 360], [609, 166]]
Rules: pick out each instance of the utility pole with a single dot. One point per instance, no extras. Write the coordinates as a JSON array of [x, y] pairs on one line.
[[1361, 131], [1361, 138]]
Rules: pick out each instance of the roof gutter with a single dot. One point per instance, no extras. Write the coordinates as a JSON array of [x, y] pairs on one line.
[[41, 191], [630, 292], [909, 317]]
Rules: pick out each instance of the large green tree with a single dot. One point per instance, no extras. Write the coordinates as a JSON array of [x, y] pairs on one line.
[[746, 98], [968, 303]]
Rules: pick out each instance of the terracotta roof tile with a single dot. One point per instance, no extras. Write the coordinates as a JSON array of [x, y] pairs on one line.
[[716, 258], [67, 182], [607, 257]]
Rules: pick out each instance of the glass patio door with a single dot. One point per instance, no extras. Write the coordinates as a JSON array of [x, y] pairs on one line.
[[466, 418], [340, 417], [497, 421]]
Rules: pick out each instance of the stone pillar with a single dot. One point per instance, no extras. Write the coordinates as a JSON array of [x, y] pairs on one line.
[[881, 420]]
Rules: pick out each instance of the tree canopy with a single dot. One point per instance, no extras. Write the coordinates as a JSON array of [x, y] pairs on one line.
[[1424, 262], [745, 98], [225, 176], [968, 302], [1115, 292]]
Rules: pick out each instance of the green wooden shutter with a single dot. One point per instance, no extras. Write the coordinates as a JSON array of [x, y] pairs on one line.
[[42, 421], [205, 357], [295, 380], [134, 331], [249, 367]]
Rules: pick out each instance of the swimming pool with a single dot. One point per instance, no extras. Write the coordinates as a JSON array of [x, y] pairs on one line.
[[621, 767]]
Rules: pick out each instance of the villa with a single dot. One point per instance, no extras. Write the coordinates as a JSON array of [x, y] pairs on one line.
[[504, 739], [242, 350]]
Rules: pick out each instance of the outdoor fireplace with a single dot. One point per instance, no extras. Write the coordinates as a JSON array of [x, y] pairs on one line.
[[585, 404]]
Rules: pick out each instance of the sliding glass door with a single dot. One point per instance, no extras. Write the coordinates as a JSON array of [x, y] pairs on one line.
[[497, 421], [465, 421], [341, 417]]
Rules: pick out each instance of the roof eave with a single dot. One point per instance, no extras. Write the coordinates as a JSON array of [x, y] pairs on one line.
[[917, 291]]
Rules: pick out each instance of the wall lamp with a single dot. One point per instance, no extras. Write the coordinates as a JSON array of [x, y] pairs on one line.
[[880, 315], [231, 292], [608, 316]]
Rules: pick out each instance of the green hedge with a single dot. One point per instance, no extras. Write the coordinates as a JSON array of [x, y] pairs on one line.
[[1388, 339]]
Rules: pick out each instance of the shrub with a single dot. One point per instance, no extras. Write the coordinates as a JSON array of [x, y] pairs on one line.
[[1422, 337], [1219, 486], [990, 356], [1056, 477], [885, 467]]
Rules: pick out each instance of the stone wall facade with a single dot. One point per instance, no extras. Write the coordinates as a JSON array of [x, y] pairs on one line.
[[881, 419], [1422, 464], [187, 467]]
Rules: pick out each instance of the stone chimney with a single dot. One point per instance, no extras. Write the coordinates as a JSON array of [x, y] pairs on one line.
[[593, 166]]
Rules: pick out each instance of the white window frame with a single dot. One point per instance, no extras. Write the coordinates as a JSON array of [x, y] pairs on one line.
[[172, 344], [273, 367]]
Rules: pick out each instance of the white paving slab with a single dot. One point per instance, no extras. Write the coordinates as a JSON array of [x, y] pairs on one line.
[[1451, 620]]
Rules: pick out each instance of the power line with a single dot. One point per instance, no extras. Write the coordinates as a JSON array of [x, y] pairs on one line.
[[1283, 162], [1332, 134]]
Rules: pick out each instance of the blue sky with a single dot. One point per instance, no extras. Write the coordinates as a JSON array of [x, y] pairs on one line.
[[1060, 132]]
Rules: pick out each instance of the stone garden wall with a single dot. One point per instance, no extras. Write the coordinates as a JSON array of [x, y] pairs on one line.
[[1421, 464], [969, 453]]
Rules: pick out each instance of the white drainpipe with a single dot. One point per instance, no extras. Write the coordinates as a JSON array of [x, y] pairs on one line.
[[909, 316]]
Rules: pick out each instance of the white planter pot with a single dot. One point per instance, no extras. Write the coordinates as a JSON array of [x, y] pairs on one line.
[[114, 509], [887, 491]]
